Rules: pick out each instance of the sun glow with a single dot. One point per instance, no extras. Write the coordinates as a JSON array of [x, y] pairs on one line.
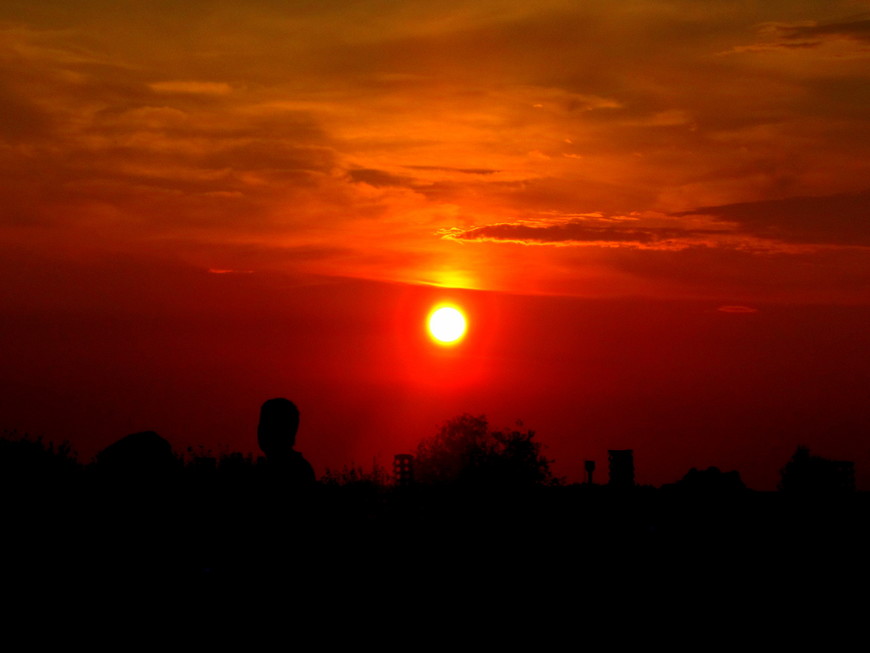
[[447, 325]]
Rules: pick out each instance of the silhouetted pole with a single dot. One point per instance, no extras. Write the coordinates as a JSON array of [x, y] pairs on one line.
[[589, 466]]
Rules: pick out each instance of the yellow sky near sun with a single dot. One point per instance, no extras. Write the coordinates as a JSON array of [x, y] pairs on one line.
[[349, 138]]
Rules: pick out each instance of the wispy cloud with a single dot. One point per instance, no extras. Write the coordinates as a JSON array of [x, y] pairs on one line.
[[190, 87], [587, 231], [737, 309], [466, 171], [223, 271], [813, 32], [810, 34]]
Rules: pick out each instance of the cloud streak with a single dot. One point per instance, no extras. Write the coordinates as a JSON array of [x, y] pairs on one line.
[[790, 225], [737, 309], [580, 232], [812, 33]]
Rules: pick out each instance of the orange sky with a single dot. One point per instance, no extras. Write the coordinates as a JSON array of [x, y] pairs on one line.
[[157, 159]]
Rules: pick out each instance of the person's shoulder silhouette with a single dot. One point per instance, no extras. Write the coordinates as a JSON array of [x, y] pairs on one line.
[[276, 435]]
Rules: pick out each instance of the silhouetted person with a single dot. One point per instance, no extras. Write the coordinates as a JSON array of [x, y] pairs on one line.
[[276, 435]]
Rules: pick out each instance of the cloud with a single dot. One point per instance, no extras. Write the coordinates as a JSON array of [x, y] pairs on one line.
[[466, 171], [192, 88], [795, 225], [358, 133], [377, 178], [588, 230], [737, 309], [21, 120], [811, 33], [842, 219]]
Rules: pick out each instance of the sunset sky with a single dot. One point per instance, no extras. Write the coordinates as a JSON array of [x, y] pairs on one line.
[[656, 215]]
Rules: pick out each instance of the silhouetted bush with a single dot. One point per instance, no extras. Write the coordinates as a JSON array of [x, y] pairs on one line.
[[25, 457]]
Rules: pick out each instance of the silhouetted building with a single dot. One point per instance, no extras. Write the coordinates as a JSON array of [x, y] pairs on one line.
[[809, 474], [589, 466], [621, 463], [403, 469], [844, 472]]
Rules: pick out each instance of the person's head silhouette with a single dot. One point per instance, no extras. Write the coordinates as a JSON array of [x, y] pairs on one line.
[[276, 432]]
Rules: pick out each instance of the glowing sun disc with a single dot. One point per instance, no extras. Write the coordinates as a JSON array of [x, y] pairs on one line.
[[447, 325]]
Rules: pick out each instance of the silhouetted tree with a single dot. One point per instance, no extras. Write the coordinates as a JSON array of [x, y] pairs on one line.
[[453, 451], [466, 451]]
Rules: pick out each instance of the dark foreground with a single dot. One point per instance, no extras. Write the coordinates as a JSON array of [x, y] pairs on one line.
[[194, 533]]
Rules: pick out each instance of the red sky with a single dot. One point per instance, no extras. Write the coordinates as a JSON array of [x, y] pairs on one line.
[[657, 215]]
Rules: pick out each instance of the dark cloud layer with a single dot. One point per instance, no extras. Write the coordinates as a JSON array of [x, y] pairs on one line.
[[857, 28], [577, 231], [833, 220], [378, 178], [467, 171]]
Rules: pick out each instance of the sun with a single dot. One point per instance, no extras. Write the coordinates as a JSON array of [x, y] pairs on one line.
[[447, 325]]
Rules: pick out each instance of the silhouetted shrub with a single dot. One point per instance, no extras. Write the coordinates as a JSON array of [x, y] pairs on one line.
[[23, 456]]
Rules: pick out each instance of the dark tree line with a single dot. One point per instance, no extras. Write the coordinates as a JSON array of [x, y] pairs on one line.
[[464, 452]]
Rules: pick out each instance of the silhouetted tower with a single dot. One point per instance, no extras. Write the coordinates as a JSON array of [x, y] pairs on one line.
[[403, 469], [589, 466], [621, 462]]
